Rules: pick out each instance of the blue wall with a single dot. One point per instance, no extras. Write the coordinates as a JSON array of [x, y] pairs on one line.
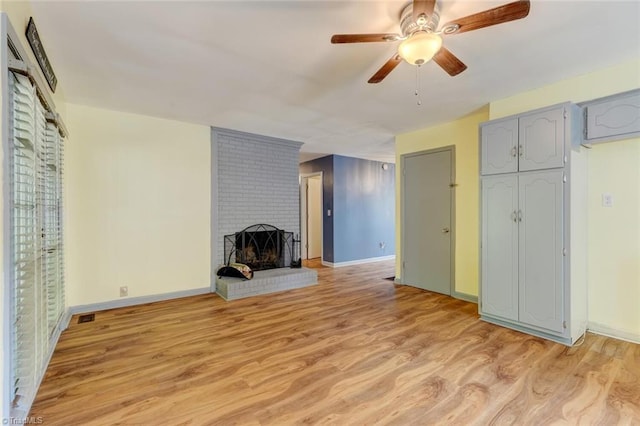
[[361, 195], [364, 204]]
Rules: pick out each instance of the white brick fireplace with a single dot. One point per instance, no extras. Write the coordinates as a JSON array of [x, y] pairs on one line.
[[254, 180]]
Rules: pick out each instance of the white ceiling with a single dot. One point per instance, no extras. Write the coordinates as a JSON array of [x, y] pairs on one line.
[[268, 67]]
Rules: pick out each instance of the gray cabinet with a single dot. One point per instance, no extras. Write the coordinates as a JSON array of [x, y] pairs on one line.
[[529, 254], [613, 118], [532, 141]]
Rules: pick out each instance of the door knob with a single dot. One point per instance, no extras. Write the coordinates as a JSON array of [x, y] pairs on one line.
[[445, 230]]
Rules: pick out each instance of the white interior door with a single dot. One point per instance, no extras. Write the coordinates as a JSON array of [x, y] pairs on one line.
[[311, 216], [314, 217], [427, 208]]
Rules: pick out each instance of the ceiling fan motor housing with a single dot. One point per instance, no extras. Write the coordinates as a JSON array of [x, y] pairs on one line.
[[408, 26]]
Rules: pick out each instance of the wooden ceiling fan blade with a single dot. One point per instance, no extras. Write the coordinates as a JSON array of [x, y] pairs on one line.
[[364, 38], [497, 15], [385, 69], [420, 7], [449, 62]]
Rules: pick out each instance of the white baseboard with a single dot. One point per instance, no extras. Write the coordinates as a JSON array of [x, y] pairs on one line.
[[455, 294], [132, 301], [358, 262], [604, 330], [65, 321], [466, 297]]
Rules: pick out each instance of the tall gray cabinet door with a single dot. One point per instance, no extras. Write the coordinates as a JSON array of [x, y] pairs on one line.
[[541, 140], [541, 249], [499, 295], [499, 147]]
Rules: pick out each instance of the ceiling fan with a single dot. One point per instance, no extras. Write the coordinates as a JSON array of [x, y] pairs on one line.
[[422, 40]]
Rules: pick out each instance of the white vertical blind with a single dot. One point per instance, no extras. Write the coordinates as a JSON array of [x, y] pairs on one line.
[[52, 204], [37, 257], [40, 287], [23, 226]]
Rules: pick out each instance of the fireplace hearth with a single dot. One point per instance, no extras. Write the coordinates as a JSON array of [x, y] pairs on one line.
[[261, 247]]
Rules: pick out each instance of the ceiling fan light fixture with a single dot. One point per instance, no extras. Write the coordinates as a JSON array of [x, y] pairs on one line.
[[420, 47]]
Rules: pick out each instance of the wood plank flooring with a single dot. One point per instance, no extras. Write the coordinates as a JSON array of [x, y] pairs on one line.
[[354, 350]]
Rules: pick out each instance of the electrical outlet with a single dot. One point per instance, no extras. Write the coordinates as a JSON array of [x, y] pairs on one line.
[[607, 200], [124, 291]]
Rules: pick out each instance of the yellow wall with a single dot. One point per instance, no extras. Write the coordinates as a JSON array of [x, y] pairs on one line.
[[595, 85], [462, 133], [614, 238], [19, 13], [613, 233], [137, 205]]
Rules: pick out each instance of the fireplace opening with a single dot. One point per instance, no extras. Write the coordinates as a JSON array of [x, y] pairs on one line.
[[260, 247]]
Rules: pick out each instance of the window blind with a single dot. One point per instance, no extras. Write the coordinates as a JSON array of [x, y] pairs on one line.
[[54, 282], [36, 152]]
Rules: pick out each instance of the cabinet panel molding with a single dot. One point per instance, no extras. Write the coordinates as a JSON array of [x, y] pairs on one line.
[[540, 251], [542, 140], [499, 147], [500, 245]]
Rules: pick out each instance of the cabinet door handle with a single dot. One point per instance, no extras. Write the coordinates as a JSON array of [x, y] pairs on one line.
[[521, 151], [445, 230], [514, 151], [514, 216], [519, 215]]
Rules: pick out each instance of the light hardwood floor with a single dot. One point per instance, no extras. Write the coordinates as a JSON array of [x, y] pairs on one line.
[[354, 350]]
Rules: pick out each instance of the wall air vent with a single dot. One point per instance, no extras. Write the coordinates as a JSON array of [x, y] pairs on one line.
[[86, 318]]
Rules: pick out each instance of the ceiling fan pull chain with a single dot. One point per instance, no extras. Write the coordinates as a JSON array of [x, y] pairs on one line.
[[419, 102]]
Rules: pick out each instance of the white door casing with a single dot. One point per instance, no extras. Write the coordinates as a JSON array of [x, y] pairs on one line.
[[311, 206]]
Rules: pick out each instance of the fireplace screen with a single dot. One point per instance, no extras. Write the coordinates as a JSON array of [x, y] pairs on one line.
[[260, 247]]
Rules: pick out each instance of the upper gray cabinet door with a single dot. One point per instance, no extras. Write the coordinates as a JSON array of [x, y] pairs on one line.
[[499, 145], [541, 140], [617, 118]]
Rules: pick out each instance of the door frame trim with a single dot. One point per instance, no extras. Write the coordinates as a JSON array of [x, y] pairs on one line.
[[303, 214], [452, 255]]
